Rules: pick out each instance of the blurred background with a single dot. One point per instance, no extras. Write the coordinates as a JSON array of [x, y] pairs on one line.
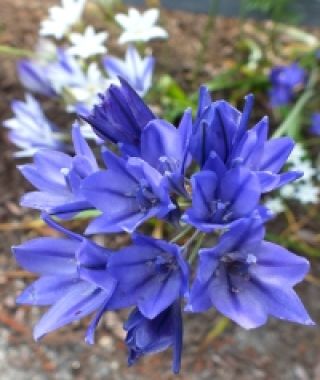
[[232, 46]]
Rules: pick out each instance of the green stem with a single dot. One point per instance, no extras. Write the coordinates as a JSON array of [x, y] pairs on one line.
[[286, 127], [88, 214], [181, 234], [191, 240], [196, 248], [15, 52]]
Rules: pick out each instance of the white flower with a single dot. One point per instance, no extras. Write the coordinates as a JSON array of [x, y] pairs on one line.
[[45, 51], [288, 191], [88, 133], [276, 205], [140, 26], [297, 155], [62, 18], [307, 193], [87, 44], [86, 95], [308, 171]]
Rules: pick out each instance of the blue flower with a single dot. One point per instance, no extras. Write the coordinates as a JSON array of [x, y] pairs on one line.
[[147, 336], [30, 130], [52, 77], [166, 148], [221, 142], [285, 81], [65, 71], [247, 278], [58, 178], [208, 173], [34, 77], [264, 157], [74, 279], [128, 193], [135, 70], [218, 127], [153, 272], [315, 124], [120, 116], [218, 202]]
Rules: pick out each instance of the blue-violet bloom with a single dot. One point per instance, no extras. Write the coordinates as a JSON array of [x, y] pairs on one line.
[[74, 279], [30, 130], [148, 336], [218, 202], [120, 116], [58, 178], [135, 70], [315, 124], [153, 272], [247, 278], [166, 148], [34, 77], [128, 193], [285, 81], [222, 140]]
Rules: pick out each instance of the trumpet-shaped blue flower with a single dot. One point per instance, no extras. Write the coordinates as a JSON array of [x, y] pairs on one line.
[[53, 77], [218, 127], [34, 77], [264, 157], [30, 130], [217, 203], [58, 178], [247, 278], [285, 80], [65, 72], [166, 148], [153, 272], [120, 116], [74, 279], [128, 193], [147, 336], [135, 70], [220, 137], [315, 124]]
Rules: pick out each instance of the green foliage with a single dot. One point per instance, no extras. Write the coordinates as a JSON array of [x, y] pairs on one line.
[[278, 10], [173, 99]]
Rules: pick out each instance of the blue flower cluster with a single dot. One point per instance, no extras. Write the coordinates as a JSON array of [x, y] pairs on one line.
[[205, 179], [285, 81]]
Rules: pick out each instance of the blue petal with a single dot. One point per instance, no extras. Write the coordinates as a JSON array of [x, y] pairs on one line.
[[241, 189], [81, 146], [159, 294], [282, 302], [46, 290], [276, 153], [203, 193], [279, 267], [49, 256], [81, 300], [243, 307]]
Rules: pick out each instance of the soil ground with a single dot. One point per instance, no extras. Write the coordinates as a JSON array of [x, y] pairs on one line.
[[278, 351]]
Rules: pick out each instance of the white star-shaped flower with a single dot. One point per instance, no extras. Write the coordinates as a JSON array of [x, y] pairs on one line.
[[62, 18], [87, 44], [276, 205], [307, 193], [140, 26], [86, 94]]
